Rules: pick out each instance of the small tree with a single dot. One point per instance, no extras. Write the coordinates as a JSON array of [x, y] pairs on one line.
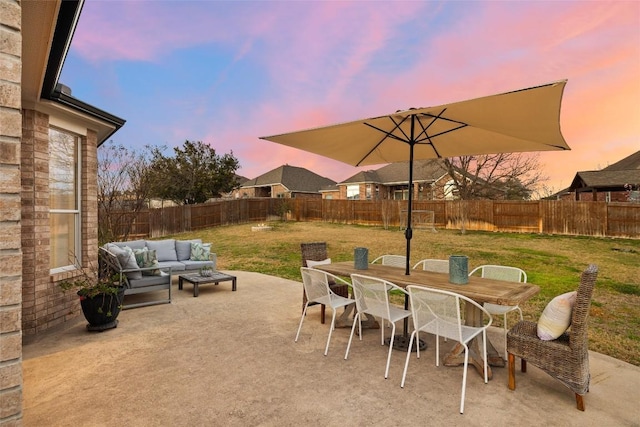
[[122, 190], [503, 176], [194, 175]]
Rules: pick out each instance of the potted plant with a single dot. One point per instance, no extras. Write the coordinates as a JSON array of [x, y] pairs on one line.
[[206, 271], [101, 296]]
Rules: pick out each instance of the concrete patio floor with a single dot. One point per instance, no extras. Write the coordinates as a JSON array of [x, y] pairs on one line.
[[228, 358]]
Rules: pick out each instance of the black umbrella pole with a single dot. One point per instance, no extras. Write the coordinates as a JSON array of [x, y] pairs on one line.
[[408, 234]]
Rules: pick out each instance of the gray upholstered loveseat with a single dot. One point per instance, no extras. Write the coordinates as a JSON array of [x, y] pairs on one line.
[[147, 265]]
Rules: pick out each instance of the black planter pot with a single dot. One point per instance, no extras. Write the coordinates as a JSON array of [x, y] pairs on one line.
[[101, 311]]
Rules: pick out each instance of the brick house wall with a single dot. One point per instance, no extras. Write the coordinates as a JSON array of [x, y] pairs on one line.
[[429, 191], [10, 250], [601, 196], [44, 305], [306, 195]]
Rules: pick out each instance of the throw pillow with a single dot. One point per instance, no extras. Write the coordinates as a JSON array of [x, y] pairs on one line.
[[147, 258], [183, 248], [311, 263], [200, 251], [130, 263], [126, 259], [556, 316]]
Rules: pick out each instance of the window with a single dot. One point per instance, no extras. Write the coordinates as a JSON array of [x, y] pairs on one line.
[[353, 192], [401, 192], [450, 190], [64, 199]]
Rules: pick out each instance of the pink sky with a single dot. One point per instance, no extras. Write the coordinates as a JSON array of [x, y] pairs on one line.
[[228, 73]]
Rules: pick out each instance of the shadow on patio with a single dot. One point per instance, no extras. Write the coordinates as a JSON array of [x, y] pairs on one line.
[[228, 358]]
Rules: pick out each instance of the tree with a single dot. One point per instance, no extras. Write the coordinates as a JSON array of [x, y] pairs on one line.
[[194, 175], [504, 176], [123, 190]]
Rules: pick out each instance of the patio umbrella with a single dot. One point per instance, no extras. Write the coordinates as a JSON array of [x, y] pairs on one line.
[[519, 121]]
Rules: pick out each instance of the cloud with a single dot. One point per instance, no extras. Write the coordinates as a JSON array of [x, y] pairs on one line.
[[229, 72]]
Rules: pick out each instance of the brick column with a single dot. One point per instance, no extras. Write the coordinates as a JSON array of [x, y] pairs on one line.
[[36, 293], [10, 202]]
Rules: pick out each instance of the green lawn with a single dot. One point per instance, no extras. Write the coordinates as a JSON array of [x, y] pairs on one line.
[[552, 262]]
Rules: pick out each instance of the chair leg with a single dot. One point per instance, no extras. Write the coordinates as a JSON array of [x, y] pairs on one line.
[[406, 363], [333, 323], [304, 312], [356, 319], [523, 365], [393, 334], [505, 334], [512, 371], [579, 402], [322, 310]]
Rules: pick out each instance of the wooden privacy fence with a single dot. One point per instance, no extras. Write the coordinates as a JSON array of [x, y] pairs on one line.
[[541, 216]]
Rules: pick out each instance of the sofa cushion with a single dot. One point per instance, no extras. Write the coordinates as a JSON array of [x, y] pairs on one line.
[[133, 244], [148, 281], [197, 265], [165, 249], [200, 251], [126, 259], [556, 316], [174, 265], [147, 258], [183, 248]]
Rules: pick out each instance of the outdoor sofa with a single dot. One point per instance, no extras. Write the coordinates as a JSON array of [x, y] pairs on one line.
[[147, 265]]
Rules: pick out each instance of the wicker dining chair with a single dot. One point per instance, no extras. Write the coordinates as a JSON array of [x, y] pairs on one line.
[[565, 358], [317, 251]]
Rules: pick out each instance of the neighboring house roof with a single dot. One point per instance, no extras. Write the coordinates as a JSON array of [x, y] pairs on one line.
[[42, 63], [605, 179], [628, 163], [293, 178], [613, 177], [398, 173], [241, 179], [329, 188]]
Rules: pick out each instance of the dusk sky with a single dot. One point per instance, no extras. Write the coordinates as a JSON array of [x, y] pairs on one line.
[[227, 73]]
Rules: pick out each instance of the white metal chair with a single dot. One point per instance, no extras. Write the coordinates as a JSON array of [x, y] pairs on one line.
[[316, 287], [439, 312], [508, 274], [372, 297], [435, 265], [392, 260]]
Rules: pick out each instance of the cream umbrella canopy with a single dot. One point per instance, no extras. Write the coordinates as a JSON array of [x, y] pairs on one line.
[[524, 120]]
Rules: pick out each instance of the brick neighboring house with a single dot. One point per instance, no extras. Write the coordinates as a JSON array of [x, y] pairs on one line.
[[607, 184], [48, 176], [285, 182], [431, 181]]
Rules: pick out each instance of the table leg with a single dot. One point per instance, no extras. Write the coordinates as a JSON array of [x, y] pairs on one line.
[[195, 290], [456, 356], [233, 284], [180, 283]]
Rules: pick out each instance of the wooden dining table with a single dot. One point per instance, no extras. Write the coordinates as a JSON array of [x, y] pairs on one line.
[[478, 289]]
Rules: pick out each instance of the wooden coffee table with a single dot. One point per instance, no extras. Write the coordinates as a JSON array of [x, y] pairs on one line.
[[196, 280]]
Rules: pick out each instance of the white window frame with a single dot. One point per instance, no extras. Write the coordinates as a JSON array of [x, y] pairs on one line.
[[353, 192], [77, 250], [450, 190]]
